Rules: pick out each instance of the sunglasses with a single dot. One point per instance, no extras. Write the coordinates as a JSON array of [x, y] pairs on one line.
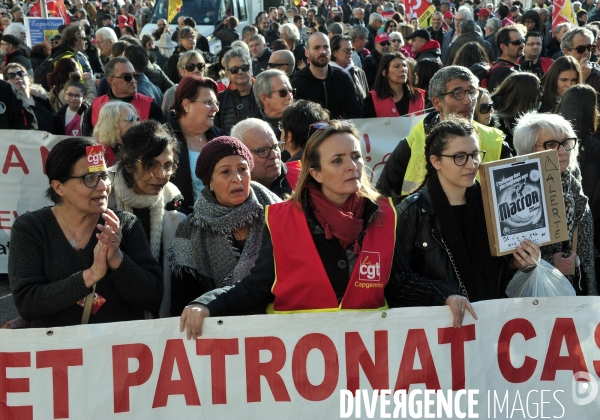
[[516, 42], [394, 40], [131, 118], [21, 74], [486, 108], [385, 43], [190, 67], [284, 92], [583, 48], [349, 50], [128, 77], [236, 70]]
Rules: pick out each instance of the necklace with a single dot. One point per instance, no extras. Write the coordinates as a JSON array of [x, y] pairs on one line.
[[238, 233], [75, 240], [199, 138]]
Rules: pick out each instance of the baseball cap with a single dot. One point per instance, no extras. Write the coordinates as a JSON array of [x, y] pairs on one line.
[[484, 13], [448, 15], [336, 9], [382, 37], [421, 33], [11, 39]]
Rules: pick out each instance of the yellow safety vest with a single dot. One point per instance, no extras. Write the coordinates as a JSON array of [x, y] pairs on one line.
[[490, 140]]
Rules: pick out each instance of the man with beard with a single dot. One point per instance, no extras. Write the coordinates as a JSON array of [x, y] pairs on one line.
[[333, 89], [452, 90], [273, 93], [510, 43], [268, 170]]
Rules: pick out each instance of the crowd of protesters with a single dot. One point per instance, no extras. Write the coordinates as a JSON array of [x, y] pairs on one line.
[[239, 187]]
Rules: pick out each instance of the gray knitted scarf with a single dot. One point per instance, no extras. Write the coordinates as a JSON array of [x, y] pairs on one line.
[[204, 243]]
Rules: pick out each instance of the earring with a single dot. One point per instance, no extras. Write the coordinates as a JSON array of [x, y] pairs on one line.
[[210, 187]]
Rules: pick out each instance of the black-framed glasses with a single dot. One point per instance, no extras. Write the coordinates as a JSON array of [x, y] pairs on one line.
[[235, 70], [277, 65], [567, 144], [285, 92], [208, 102], [73, 95], [192, 66], [156, 167], [131, 118], [583, 48], [461, 159], [384, 43], [92, 179], [459, 93], [265, 152], [128, 77], [516, 42], [16, 74], [486, 108]]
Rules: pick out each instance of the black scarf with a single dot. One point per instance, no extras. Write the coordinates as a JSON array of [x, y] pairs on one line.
[[479, 271]]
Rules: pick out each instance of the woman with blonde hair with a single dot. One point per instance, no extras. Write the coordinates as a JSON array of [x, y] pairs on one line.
[[190, 62], [114, 120]]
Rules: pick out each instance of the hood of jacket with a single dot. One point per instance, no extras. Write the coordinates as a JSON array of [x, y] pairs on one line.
[[431, 45]]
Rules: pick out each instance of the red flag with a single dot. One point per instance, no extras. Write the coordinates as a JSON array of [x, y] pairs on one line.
[[55, 8], [416, 8], [563, 12]]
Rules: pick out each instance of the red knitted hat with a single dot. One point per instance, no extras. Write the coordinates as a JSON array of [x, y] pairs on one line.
[[217, 149]]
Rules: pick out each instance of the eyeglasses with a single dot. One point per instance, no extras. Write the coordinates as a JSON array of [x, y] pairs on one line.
[[191, 67], [131, 118], [128, 77], [285, 92], [516, 42], [460, 93], [265, 152], [384, 43], [92, 179], [583, 48], [461, 159], [21, 74], [82, 38], [236, 70], [486, 108], [567, 144], [155, 168], [277, 64], [349, 50], [74, 95], [394, 40], [209, 102]]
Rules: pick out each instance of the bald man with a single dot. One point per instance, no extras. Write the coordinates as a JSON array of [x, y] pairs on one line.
[[282, 60]]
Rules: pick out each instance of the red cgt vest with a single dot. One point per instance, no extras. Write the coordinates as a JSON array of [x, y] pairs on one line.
[[301, 282], [387, 107], [140, 102], [293, 172]]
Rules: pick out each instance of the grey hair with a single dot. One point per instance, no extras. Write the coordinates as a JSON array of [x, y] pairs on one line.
[[437, 84], [466, 11], [187, 56], [107, 34], [375, 16], [397, 35], [560, 26], [240, 44], [186, 31], [109, 68], [257, 37], [567, 39], [15, 28], [263, 85], [494, 23], [438, 13], [290, 31], [247, 29], [467, 26], [358, 32], [576, 3], [532, 124], [357, 9], [237, 52], [240, 129]]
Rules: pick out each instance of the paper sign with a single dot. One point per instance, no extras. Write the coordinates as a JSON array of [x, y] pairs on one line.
[[95, 158]]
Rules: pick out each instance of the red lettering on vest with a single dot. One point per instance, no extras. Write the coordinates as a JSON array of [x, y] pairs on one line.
[[140, 102]]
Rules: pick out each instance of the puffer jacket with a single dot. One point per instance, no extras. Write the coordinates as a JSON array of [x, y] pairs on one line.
[[229, 112]]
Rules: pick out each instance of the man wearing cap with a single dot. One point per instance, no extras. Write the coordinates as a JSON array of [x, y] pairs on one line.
[[482, 18], [436, 30], [447, 23], [469, 34], [370, 64], [335, 11], [12, 52], [423, 46], [375, 22]]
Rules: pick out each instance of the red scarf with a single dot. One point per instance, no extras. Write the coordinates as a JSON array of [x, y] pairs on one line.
[[345, 223]]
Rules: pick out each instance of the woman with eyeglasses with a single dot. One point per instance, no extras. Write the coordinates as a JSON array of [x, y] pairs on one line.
[[79, 249], [218, 244], [149, 156], [341, 54], [390, 26], [397, 43], [343, 227], [519, 93], [36, 95], [192, 119], [65, 70], [190, 63], [562, 74], [574, 257], [187, 42], [443, 231], [114, 120], [484, 108], [393, 94]]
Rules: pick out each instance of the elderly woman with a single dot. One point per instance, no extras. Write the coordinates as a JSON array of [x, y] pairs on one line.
[[338, 222], [192, 121], [190, 63], [114, 120], [341, 54], [393, 94], [397, 43], [538, 132], [218, 243], [187, 42], [37, 97], [61, 254], [149, 157]]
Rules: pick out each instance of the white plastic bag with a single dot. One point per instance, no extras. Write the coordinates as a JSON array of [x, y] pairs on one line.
[[543, 281]]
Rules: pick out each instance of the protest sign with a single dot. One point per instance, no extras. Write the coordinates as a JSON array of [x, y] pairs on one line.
[[523, 200], [41, 29], [519, 360]]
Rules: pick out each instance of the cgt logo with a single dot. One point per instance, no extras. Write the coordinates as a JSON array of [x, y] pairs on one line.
[[369, 266]]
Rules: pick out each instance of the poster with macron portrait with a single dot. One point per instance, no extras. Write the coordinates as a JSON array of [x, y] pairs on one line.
[[523, 199]]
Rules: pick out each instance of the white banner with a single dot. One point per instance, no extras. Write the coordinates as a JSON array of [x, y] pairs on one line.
[[518, 360]]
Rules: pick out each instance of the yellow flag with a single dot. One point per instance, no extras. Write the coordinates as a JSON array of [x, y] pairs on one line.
[[563, 12], [174, 6]]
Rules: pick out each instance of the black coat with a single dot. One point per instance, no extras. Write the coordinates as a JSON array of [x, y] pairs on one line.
[[59, 117], [260, 63], [16, 113], [370, 65], [230, 113], [589, 163]]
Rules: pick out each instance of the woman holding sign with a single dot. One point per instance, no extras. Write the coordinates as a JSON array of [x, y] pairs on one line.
[[443, 224], [344, 254], [80, 249], [574, 258]]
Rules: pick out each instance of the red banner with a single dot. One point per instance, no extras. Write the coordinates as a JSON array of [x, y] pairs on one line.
[[416, 8], [55, 8]]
